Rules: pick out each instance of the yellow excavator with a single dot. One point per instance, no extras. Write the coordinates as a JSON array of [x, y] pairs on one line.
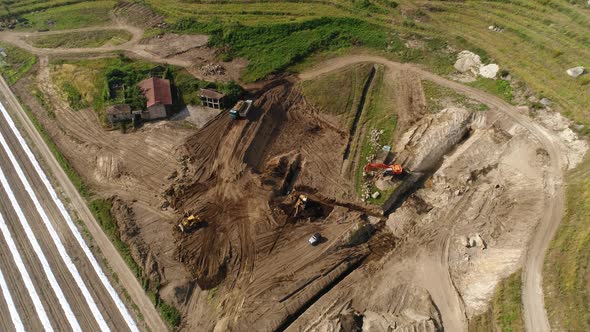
[[189, 223], [300, 205]]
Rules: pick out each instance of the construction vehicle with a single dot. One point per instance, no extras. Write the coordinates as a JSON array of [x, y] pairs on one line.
[[240, 109], [393, 169], [300, 205], [189, 223]]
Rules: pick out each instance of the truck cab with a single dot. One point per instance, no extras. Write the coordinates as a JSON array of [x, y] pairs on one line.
[[240, 109]]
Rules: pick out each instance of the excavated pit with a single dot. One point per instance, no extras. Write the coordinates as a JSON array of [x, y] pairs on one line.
[[423, 147], [244, 177]]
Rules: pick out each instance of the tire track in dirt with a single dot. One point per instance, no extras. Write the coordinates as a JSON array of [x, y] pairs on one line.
[[534, 308]]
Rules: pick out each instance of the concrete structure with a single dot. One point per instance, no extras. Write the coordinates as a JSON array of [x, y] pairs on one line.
[[159, 98], [212, 98], [118, 113]]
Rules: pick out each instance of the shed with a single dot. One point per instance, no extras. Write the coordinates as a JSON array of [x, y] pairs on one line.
[[212, 98], [159, 97], [118, 113]]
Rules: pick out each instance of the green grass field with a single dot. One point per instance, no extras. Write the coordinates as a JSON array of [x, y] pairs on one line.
[[438, 97], [567, 266], [16, 63], [58, 15], [350, 83], [82, 39]]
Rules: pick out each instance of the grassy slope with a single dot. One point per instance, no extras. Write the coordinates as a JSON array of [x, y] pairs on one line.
[[567, 266], [77, 15], [82, 39], [16, 63], [378, 112], [350, 84], [437, 97], [541, 39], [505, 312]]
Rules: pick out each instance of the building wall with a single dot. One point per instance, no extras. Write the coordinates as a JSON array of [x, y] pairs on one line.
[[157, 111]]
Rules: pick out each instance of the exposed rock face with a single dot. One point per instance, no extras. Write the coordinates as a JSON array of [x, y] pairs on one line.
[[489, 71], [576, 71], [421, 147], [468, 61]]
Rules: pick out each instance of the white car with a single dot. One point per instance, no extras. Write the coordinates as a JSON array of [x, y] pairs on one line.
[[315, 239]]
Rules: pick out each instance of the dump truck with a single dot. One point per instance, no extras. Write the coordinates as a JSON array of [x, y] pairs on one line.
[[189, 223], [240, 109]]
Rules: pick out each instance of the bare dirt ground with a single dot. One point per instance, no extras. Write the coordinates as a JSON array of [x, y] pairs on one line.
[[251, 265]]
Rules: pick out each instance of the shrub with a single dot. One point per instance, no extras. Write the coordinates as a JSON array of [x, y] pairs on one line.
[[73, 96]]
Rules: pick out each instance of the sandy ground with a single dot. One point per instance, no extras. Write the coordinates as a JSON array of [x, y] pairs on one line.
[[243, 177]]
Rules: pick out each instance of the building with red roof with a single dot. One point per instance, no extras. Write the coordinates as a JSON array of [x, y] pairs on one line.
[[159, 97]]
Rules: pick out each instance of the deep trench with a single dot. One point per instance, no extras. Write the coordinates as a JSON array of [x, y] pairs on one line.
[[294, 316], [359, 112]]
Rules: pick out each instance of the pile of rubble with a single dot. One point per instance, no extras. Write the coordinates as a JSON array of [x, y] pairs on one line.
[[212, 69], [470, 63], [374, 138], [495, 28], [576, 71]]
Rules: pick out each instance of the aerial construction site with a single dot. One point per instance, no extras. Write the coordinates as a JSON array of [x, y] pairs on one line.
[[351, 192]]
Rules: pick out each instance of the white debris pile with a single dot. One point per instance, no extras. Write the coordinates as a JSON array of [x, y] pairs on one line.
[[211, 69], [470, 63], [495, 28], [576, 71], [374, 138], [489, 71]]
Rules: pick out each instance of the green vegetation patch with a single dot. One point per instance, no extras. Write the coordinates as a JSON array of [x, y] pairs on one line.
[[378, 115], [338, 93], [566, 278], [273, 48], [101, 209], [505, 312], [439, 97], [16, 63], [500, 88], [82, 39], [102, 82], [64, 15]]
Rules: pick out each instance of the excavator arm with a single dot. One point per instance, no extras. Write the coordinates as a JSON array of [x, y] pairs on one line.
[[396, 169]]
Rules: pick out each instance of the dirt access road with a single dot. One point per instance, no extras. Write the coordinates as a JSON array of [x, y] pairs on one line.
[[133, 45], [125, 276], [534, 307]]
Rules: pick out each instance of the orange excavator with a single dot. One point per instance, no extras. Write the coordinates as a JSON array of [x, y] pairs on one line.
[[393, 169]]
